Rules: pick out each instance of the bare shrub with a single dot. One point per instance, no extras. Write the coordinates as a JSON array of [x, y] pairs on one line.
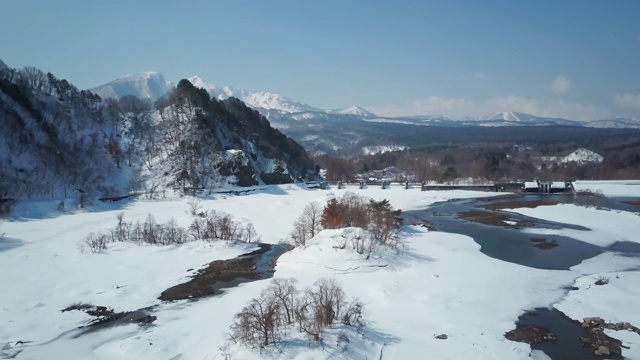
[[94, 243], [215, 226], [353, 313], [194, 206], [602, 280]]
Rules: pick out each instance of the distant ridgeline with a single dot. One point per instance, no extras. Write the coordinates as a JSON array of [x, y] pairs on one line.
[[58, 141]]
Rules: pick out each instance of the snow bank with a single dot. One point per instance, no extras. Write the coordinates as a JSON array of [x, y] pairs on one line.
[[607, 226], [617, 188]]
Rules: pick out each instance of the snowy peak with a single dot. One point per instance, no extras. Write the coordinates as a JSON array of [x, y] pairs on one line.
[[218, 92], [271, 101], [582, 156], [144, 85], [354, 110], [506, 116], [260, 100], [199, 83]]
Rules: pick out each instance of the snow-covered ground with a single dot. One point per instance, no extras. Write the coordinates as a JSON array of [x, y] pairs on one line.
[[442, 284], [617, 188]]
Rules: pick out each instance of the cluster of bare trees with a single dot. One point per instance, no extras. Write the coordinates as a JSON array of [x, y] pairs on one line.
[[282, 306], [149, 232], [215, 225], [351, 210], [212, 226]]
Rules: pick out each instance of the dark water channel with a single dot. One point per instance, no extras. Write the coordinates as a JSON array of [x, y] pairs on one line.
[[512, 244]]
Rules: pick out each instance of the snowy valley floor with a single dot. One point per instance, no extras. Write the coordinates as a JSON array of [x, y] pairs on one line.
[[442, 284]]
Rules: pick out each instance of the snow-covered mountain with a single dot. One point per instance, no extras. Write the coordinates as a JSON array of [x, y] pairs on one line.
[[582, 156], [617, 123], [261, 101], [144, 85], [354, 110], [517, 118]]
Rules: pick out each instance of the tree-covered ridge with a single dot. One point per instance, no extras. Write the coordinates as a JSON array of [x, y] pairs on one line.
[[58, 141]]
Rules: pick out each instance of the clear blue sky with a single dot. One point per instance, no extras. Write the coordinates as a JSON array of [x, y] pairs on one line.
[[576, 59]]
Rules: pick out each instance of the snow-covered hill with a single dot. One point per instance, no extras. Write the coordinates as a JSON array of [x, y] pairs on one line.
[[582, 156], [616, 123], [144, 85]]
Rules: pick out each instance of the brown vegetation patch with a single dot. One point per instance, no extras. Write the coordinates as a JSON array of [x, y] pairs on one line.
[[542, 243], [530, 334], [491, 218], [635, 203]]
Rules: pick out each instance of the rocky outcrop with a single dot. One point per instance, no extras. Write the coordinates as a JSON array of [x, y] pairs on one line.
[[600, 343]]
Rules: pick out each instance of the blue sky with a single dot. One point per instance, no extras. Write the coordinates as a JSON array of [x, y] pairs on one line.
[[573, 59]]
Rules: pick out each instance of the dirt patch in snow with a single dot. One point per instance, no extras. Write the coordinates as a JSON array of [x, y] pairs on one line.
[[223, 274], [494, 218], [530, 334]]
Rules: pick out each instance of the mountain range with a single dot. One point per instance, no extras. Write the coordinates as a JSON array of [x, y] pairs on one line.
[[337, 131]]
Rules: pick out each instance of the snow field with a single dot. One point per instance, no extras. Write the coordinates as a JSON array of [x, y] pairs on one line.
[[442, 284]]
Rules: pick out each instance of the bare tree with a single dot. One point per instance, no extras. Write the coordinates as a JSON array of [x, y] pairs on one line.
[[308, 224], [328, 301], [285, 292], [258, 322], [34, 78]]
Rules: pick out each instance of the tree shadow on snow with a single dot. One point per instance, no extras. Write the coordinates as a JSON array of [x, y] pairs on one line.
[[339, 342], [7, 244], [50, 209]]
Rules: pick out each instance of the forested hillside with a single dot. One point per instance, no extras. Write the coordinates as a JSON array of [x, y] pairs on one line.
[[58, 141]]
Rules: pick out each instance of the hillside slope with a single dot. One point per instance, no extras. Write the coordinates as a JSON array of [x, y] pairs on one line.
[[58, 141]]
